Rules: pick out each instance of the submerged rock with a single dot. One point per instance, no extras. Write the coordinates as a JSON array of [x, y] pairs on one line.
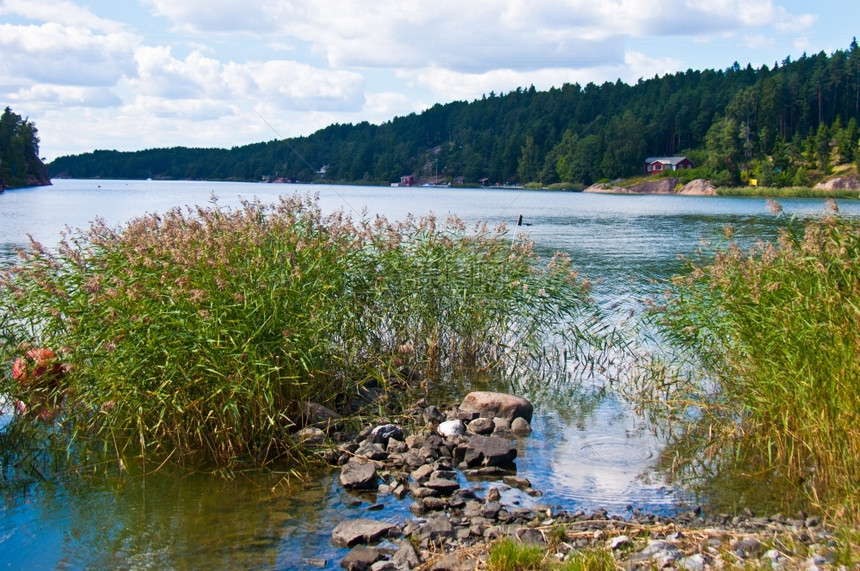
[[355, 531]]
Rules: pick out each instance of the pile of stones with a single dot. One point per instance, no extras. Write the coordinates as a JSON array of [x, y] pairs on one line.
[[453, 524]]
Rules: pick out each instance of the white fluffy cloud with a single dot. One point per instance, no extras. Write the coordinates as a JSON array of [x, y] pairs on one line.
[[54, 53], [478, 36], [204, 72]]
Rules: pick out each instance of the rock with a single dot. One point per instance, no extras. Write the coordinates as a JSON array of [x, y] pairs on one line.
[[444, 486], [618, 542], [359, 475], [435, 504], [433, 414], [310, 436], [438, 528], [493, 494], [316, 414], [521, 427], [747, 547], [491, 405], [490, 510], [396, 447], [354, 531], [490, 451], [530, 536], [406, 556], [451, 428], [422, 472], [840, 183], [371, 451], [699, 187], [517, 482], [481, 426], [383, 433], [361, 559], [695, 562], [659, 186], [659, 553]]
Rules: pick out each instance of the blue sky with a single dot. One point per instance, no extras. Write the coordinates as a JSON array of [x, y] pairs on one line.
[[131, 75]]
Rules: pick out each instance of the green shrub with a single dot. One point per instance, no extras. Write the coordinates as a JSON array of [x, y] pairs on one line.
[[198, 335]]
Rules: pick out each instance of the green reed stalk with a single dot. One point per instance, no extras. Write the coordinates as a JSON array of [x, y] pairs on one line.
[[198, 335], [774, 332]]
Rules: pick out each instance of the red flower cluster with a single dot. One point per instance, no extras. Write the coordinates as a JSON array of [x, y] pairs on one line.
[[38, 371], [38, 368]]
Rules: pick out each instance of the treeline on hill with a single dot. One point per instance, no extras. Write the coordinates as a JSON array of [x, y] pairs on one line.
[[788, 125], [20, 164]]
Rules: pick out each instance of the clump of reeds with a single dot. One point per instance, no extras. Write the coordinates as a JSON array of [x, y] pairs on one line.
[[775, 336], [198, 334]]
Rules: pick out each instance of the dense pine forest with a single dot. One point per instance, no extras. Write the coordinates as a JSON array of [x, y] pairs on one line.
[[786, 125], [19, 153]]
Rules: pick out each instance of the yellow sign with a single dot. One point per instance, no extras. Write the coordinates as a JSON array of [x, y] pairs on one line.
[[753, 182]]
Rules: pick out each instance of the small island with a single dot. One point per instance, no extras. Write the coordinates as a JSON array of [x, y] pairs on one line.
[[20, 165]]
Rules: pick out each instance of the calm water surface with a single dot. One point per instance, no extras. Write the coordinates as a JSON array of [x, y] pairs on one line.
[[599, 455]]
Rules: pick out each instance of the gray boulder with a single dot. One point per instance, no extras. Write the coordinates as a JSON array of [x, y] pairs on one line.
[[361, 559], [406, 556], [490, 451], [491, 405], [359, 475]]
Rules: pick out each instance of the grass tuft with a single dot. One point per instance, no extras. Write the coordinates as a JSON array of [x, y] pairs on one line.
[[197, 335], [768, 356]]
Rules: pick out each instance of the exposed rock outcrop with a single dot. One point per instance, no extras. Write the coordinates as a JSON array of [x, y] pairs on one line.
[[699, 187], [658, 186], [840, 183]]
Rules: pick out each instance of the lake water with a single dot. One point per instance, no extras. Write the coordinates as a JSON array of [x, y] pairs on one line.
[[582, 457]]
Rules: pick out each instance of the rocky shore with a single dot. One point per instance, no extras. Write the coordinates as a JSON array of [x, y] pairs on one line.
[[670, 185], [456, 465]]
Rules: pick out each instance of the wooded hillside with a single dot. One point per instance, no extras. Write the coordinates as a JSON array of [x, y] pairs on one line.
[[19, 153], [786, 125]]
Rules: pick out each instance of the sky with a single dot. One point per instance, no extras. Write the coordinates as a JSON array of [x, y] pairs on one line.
[[138, 74]]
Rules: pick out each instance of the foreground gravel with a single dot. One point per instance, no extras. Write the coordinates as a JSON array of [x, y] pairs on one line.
[[454, 466]]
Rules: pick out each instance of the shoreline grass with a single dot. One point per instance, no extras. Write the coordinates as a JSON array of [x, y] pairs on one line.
[[198, 335], [766, 361]]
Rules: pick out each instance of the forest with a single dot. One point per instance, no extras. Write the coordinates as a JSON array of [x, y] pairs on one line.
[[19, 153], [786, 125]]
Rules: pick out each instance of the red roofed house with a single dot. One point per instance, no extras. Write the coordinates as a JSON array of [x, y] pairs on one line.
[[659, 164]]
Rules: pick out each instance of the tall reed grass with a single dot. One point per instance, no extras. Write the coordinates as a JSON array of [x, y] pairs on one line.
[[198, 334], [769, 340]]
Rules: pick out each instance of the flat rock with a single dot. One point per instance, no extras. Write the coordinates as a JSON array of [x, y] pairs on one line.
[[371, 451], [490, 451], [359, 475], [361, 559], [444, 486], [354, 531], [491, 405]]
